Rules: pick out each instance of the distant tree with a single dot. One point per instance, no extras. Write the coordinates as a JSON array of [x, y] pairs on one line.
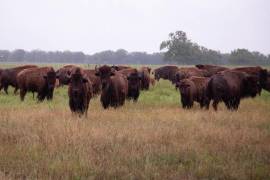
[[17, 55], [244, 57], [181, 50]]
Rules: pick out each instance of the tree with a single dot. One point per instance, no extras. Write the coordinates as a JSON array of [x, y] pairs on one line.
[[181, 50]]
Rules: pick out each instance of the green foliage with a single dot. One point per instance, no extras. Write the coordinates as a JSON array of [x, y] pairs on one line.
[[181, 50]]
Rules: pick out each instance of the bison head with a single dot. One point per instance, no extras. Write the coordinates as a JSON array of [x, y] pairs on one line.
[[252, 86], [184, 87], [104, 73], [134, 81], [63, 75], [76, 87], [50, 79]]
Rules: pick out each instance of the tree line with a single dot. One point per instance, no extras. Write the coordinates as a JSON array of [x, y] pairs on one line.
[[178, 49]]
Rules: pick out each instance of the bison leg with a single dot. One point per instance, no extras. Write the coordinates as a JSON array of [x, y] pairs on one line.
[[22, 94], [215, 104], [41, 97], [6, 89], [235, 104], [1, 86], [15, 90]]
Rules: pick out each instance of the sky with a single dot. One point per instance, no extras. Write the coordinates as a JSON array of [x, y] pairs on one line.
[[135, 25]]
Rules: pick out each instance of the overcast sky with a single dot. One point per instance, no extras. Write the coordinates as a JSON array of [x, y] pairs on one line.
[[135, 25]]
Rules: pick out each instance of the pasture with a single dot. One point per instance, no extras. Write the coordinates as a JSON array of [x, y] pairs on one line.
[[151, 139]]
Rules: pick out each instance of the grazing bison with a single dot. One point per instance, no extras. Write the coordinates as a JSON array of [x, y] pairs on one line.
[[187, 72], [96, 83], [79, 91], [114, 87], [120, 67], [211, 69], [256, 71], [145, 76], [230, 87], [166, 72], [193, 89], [8, 77], [63, 74], [41, 80]]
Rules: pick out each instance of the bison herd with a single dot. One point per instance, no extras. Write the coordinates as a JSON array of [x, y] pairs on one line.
[[115, 84]]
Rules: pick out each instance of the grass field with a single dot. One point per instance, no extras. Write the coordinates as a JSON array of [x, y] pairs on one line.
[[152, 139]]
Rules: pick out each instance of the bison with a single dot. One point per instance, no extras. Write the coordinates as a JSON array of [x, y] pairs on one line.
[[256, 71], [267, 86], [187, 72], [134, 82], [166, 72], [114, 87], [80, 92], [134, 85], [96, 83], [120, 67], [211, 69], [193, 89], [63, 74], [41, 80], [230, 87], [8, 77], [145, 76]]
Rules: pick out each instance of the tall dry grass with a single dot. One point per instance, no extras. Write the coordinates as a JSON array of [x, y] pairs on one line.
[[147, 140]]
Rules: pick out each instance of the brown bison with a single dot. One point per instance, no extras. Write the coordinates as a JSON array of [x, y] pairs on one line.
[[267, 86], [230, 87], [145, 75], [79, 91], [187, 72], [166, 72], [63, 73], [120, 67], [114, 87], [96, 83], [193, 89], [41, 80], [134, 85], [211, 69], [8, 77], [134, 82], [256, 71]]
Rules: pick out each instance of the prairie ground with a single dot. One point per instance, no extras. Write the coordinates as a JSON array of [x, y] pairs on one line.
[[151, 139]]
